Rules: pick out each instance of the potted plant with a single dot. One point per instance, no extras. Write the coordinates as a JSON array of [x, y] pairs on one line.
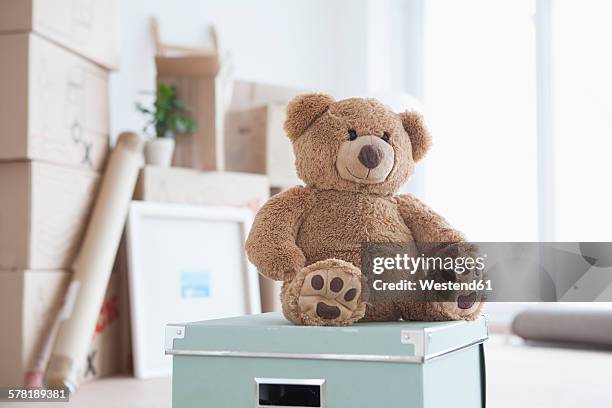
[[169, 116]]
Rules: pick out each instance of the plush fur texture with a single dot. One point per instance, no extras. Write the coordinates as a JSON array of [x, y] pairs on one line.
[[310, 237]]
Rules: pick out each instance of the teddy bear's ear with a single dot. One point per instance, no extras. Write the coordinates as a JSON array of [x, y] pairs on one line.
[[418, 133], [303, 110]]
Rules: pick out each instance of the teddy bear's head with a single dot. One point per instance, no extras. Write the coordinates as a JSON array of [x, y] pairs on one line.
[[354, 144]]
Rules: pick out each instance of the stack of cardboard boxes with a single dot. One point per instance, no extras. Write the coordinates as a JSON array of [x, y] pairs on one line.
[[255, 141], [56, 59]]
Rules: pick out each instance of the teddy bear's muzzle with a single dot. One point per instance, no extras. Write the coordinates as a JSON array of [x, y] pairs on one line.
[[367, 159]]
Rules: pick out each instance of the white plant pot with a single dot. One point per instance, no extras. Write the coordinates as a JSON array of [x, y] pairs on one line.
[[158, 152]]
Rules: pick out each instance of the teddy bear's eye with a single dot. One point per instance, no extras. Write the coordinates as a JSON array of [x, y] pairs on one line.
[[386, 137], [352, 134]]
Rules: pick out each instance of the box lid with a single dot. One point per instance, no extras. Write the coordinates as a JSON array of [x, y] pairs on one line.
[[270, 335]]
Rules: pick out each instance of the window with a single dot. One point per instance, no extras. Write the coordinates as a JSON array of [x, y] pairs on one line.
[[501, 84], [519, 97], [480, 98], [582, 119]]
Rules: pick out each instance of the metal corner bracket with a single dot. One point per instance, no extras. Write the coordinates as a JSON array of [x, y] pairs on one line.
[[173, 331], [418, 338]]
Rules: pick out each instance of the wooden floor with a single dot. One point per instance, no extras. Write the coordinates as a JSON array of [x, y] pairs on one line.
[[517, 376], [113, 393], [543, 377]]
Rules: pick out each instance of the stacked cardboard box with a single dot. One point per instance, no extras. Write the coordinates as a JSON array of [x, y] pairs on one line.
[[255, 141], [200, 80], [56, 60]]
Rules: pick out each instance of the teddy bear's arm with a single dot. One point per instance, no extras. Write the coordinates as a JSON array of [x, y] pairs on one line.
[[271, 245], [424, 223]]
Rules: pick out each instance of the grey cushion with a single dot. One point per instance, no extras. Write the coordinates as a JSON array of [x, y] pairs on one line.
[[566, 324]]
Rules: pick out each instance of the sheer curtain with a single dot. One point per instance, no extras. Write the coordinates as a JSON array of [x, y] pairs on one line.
[[480, 99], [521, 111], [481, 88], [582, 116]]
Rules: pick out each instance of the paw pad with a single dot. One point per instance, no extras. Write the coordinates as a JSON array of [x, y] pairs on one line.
[[466, 301], [350, 294], [336, 285], [317, 282], [327, 312]]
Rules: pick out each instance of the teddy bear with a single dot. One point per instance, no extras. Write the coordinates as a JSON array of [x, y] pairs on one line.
[[353, 155]]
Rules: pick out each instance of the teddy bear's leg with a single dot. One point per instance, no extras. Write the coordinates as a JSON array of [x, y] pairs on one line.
[[452, 305], [288, 303], [326, 293], [381, 312], [440, 311]]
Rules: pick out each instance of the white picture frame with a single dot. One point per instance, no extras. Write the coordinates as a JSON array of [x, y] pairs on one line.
[[185, 263]]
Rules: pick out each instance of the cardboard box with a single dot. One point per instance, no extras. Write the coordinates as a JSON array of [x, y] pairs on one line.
[[255, 142], [248, 94], [120, 269], [87, 27], [187, 186], [105, 356], [269, 291], [44, 209], [200, 81], [55, 106], [30, 301]]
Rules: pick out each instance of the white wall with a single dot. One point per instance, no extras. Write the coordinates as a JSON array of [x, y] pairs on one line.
[[312, 44], [395, 46], [347, 47]]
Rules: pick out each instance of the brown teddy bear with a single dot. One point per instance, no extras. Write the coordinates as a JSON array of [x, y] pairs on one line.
[[353, 155]]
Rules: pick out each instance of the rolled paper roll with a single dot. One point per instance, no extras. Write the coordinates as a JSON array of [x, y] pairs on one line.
[[94, 264], [570, 324], [35, 376]]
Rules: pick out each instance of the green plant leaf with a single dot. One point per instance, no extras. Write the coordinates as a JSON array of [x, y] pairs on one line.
[[169, 113]]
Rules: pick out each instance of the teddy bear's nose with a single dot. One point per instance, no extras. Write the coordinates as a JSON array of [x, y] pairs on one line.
[[370, 156]]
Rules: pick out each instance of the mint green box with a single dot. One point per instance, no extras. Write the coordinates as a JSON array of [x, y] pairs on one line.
[[264, 361]]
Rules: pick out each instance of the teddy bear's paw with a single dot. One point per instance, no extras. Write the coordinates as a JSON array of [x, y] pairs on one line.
[[465, 306], [330, 294], [461, 304]]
